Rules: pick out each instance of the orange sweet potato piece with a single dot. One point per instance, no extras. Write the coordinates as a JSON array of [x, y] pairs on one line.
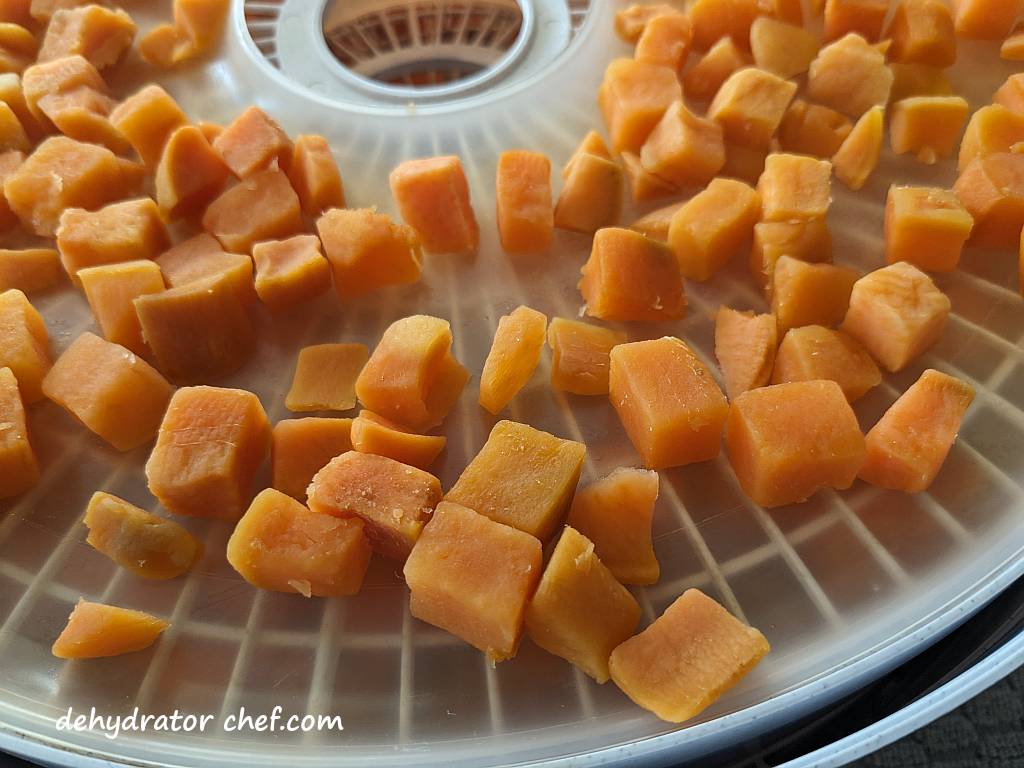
[[992, 190], [665, 41], [12, 94], [631, 21], [812, 129], [579, 355], [683, 148], [523, 193], [433, 197], [95, 630], [24, 343], [850, 75], [857, 157], [631, 277], [744, 162], [19, 469], [281, 545], [147, 119], [17, 47], [928, 126], [190, 174], [686, 659], [252, 142], [111, 290], [473, 577], [703, 80], [656, 223], [815, 353], [810, 294], [201, 258], [865, 17], [808, 240], [711, 226], [591, 197], [897, 313], [325, 377], [918, 80], [514, 356], [162, 46], [794, 188], [261, 207], [201, 22], [315, 175], [909, 444], [212, 130], [668, 402], [375, 434], [1012, 48], [786, 50], [633, 96], [993, 128], [926, 227], [12, 132], [922, 33], [745, 347], [986, 19], [302, 447], [644, 185], [616, 513], [714, 19], [100, 35], [750, 106], [50, 87], [290, 272], [29, 269], [591, 144]]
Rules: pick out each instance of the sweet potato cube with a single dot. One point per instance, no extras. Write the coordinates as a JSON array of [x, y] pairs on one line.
[[315, 176], [12, 132], [473, 576], [633, 96], [591, 197], [147, 119], [12, 94], [668, 402], [808, 240], [290, 272], [744, 162], [750, 106], [100, 35], [865, 17], [261, 207], [986, 19], [812, 129], [1012, 48], [190, 173], [656, 223], [815, 353], [50, 87], [212, 130], [325, 377], [786, 50], [111, 291], [616, 513], [665, 41], [992, 190], [926, 227], [29, 269], [644, 185], [810, 294], [17, 47], [918, 80], [24, 343], [162, 46], [795, 187], [850, 75], [714, 19], [19, 469], [147, 545], [202, 22], [302, 447], [703, 80], [579, 355], [252, 142], [201, 258], [711, 226], [95, 630], [525, 216], [683, 148], [928, 126], [375, 434], [631, 21], [1011, 93], [281, 545], [991, 129], [514, 356], [522, 477], [394, 500], [922, 33], [745, 347], [580, 612], [694, 652], [896, 313], [591, 144], [412, 378], [433, 197], [909, 444], [857, 157]]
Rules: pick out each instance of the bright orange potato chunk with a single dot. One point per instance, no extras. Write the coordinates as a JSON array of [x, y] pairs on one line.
[[694, 652], [367, 251], [812, 129], [473, 577], [375, 434], [100, 35], [522, 477], [918, 80], [12, 133], [201, 258], [261, 207], [993, 128], [703, 80], [922, 33], [523, 192], [190, 174], [579, 355], [786, 50], [810, 294], [644, 185], [115, 233], [325, 377], [745, 347], [290, 272], [433, 197], [683, 148], [315, 175], [926, 227], [808, 240], [580, 612], [24, 343], [743, 162], [656, 223], [850, 75], [630, 22], [986, 19], [897, 313], [633, 96], [412, 378], [111, 290], [591, 197], [992, 190], [815, 353], [95, 630], [857, 157], [631, 277], [19, 469], [665, 41], [750, 106], [252, 142], [146, 119], [795, 187], [591, 144], [668, 402], [909, 444], [29, 269], [302, 447], [147, 545], [865, 17], [282, 546], [928, 126], [163, 46], [616, 513], [514, 356], [714, 19], [1012, 48], [394, 500]]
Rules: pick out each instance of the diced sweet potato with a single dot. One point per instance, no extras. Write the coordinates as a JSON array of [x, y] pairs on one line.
[[29, 269], [115, 233], [12, 133], [786, 50], [744, 162], [190, 173], [412, 377], [579, 355], [633, 96], [993, 128], [644, 185], [992, 190], [808, 240], [656, 223], [12, 94], [523, 193], [375, 434], [49, 87], [1012, 48], [925, 226], [580, 612], [514, 356], [473, 577], [315, 175], [162, 46], [394, 500], [591, 144], [522, 477], [703, 80], [631, 277], [631, 21], [745, 347], [986, 19], [714, 19], [683, 148], [19, 469], [290, 272], [812, 129], [815, 353], [282, 546], [17, 47], [668, 402], [111, 290], [928, 126], [302, 447], [922, 33], [850, 75], [433, 197], [591, 197], [616, 514], [897, 313], [95, 630], [24, 343], [857, 157], [252, 142], [197, 29], [810, 294], [325, 377], [201, 258], [99, 34], [147, 119], [665, 41], [212, 130], [909, 444], [686, 659], [795, 187], [918, 80], [865, 17], [261, 207], [143, 543], [750, 106]]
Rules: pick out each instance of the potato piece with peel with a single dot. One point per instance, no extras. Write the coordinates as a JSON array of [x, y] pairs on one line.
[[992, 190], [864, 17], [591, 144], [795, 188], [922, 33], [29, 269], [513, 357], [665, 41], [290, 272], [812, 129], [850, 75], [713, 20], [24, 344], [684, 149], [189, 175], [579, 355], [704, 79], [433, 197], [95, 630], [111, 291], [986, 19], [991, 129], [252, 142], [523, 194], [302, 447], [656, 223], [633, 96], [786, 50], [375, 434], [100, 35], [815, 353], [928, 126], [631, 21], [201, 258], [261, 207], [808, 240], [591, 197], [857, 157], [810, 294], [325, 377], [147, 119], [926, 227], [745, 346], [750, 106], [19, 469], [644, 185], [315, 176]]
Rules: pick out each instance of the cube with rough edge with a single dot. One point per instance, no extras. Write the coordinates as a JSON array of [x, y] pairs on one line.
[[147, 119], [922, 33], [850, 75], [325, 377], [111, 290], [795, 187], [633, 96], [19, 469], [201, 258], [580, 355], [523, 192], [24, 343], [630, 22], [262, 206], [252, 142], [521, 477], [745, 346], [473, 577], [812, 129], [857, 157], [95, 630], [591, 196], [683, 148], [783, 49], [750, 106], [703, 80], [30, 270], [291, 271], [100, 35], [315, 176], [656, 223], [714, 19], [302, 447], [986, 19], [665, 41], [513, 357], [644, 185], [810, 294], [375, 434], [927, 126], [991, 129], [992, 190], [809, 240], [433, 197], [814, 353], [189, 175], [926, 227], [865, 17]]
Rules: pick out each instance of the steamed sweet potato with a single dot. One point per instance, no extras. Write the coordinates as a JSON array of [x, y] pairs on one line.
[[111, 290], [814, 353], [262, 206], [523, 193], [29, 269], [433, 197], [926, 227], [857, 157], [850, 75], [745, 347], [579, 355], [95, 630], [315, 176], [711, 226], [750, 106], [252, 142], [375, 434], [810, 294], [633, 96], [24, 343], [302, 447], [514, 356], [19, 469], [325, 377], [683, 149]]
